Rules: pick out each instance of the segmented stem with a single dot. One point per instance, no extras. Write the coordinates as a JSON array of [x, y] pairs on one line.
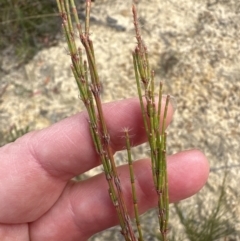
[[90, 95], [88, 82], [152, 120], [134, 194]]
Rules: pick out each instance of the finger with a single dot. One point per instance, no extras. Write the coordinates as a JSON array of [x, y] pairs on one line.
[[66, 149], [85, 207], [36, 167], [14, 232]]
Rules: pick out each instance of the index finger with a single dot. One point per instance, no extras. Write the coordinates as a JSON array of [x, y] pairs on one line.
[[66, 149]]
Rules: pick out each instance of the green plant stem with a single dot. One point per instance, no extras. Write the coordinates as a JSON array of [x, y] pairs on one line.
[[151, 117], [134, 194], [88, 82], [90, 95]]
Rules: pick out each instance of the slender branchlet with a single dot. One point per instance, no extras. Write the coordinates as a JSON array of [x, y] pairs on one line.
[[134, 194], [89, 89], [86, 75], [151, 113]]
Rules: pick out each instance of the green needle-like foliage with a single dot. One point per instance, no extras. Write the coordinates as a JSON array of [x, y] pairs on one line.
[[134, 194], [208, 227], [151, 112], [88, 82], [27, 26], [89, 86]]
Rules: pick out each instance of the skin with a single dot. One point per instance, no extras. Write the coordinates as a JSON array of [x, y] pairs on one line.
[[38, 199]]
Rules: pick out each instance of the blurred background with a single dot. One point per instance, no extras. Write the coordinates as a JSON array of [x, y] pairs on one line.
[[194, 47]]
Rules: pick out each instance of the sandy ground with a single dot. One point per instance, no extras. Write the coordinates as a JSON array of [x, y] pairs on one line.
[[194, 46]]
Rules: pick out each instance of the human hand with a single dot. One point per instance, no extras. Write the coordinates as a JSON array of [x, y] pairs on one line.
[[38, 199]]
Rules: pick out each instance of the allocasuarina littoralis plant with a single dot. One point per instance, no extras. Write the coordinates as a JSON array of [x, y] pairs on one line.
[[86, 76]]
